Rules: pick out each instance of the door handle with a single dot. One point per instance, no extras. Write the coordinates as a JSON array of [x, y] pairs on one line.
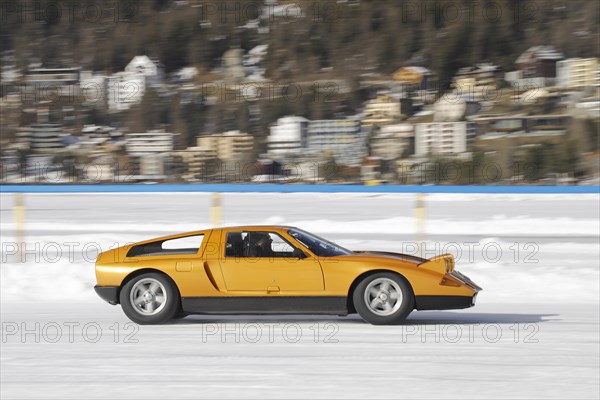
[[272, 289]]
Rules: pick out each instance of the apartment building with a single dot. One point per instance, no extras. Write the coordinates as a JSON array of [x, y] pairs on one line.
[[288, 137], [577, 72], [343, 139], [443, 138]]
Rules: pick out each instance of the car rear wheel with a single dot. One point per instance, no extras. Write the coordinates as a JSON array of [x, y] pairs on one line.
[[384, 298], [150, 299]]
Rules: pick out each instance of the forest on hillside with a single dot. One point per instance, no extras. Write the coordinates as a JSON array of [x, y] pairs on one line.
[[339, 38], [348, 41]]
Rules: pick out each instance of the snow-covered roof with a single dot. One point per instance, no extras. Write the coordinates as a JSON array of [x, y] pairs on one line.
[[479, 68], [145, 63], [95, 128], [187, 73], [418, 70], [291, 119], [258, 50], [541, 53]]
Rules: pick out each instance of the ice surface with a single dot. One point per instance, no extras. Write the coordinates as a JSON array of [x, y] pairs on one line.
[[541, 293]]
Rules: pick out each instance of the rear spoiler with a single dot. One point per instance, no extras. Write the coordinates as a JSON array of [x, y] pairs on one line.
[[440, 264]]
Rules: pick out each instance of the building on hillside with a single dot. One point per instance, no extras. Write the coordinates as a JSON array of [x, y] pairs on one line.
[[381, 110], [287, 138], [504, 139], [494, 127], [42, 138], [391, 142], [151, 142], [536, 67], [574, 73], [128, 87], [450, 138], [477, 82], [229, 146], [151, 69], [93, 89], [124, 89], [50, 84], [232, 63], [343, 139], [150, 150], [200, 163], [417, 78]]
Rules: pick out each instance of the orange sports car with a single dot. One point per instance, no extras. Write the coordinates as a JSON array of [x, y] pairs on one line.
[[273, 270]]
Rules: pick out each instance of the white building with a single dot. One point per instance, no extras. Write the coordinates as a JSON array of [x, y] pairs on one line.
[[47, 84], [343, 139], [42, 138], [443, 138], [197, 160], [287, 137], [125, 89], [252, 62], [229, 146], [152, 142], [185, 74], [577, 72], [232, 64], [449, 109], [381, 110], [476, 82], [151, 70], [390, 142], [151, 149], [93, 88]]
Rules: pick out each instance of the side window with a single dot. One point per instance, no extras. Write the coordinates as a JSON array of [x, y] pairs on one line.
[[181, 245], [186, 243], [280, 245], [268, 244], [257, 244], [235, 244]]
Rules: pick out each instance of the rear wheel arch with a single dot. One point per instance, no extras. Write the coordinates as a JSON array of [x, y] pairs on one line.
[[159, 294], [143, 271]]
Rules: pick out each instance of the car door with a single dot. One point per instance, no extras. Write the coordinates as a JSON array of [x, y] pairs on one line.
[[279, 268]]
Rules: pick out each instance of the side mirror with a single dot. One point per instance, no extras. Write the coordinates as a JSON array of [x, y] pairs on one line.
[[297, 253]]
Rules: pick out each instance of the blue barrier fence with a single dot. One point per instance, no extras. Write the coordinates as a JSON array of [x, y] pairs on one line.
[[279, 188]]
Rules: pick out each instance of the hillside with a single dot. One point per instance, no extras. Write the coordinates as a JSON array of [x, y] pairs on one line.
[[340, 39]]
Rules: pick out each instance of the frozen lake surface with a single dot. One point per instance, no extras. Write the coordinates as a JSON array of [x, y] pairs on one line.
[[533, 333]]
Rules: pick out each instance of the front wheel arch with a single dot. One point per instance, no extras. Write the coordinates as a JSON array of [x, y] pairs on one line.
[[358, 279]]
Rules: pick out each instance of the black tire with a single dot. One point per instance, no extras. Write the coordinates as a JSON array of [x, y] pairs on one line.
[[150, 298], [384, 310], [180, 314]]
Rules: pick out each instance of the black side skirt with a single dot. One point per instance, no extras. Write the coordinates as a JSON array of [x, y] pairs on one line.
[[443, 302], [331, 305]]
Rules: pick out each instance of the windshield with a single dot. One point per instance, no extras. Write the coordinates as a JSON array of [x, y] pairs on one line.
[[319, 246]]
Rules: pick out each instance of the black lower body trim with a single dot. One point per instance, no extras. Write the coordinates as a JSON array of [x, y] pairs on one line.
[[108, 293], [443, 302], [332, 305]]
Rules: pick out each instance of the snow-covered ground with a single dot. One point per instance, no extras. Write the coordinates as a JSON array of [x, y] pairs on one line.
[[533, 333]]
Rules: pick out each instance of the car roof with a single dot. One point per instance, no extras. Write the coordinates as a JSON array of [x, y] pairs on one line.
[[255, 227], [205, 231]]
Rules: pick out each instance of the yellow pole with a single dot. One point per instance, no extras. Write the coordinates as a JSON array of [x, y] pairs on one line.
[[19, 211], [215, 209], [420, 217]]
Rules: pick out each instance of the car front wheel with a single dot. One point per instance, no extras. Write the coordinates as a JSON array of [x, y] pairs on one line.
[[150, 299], [383, 299]]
